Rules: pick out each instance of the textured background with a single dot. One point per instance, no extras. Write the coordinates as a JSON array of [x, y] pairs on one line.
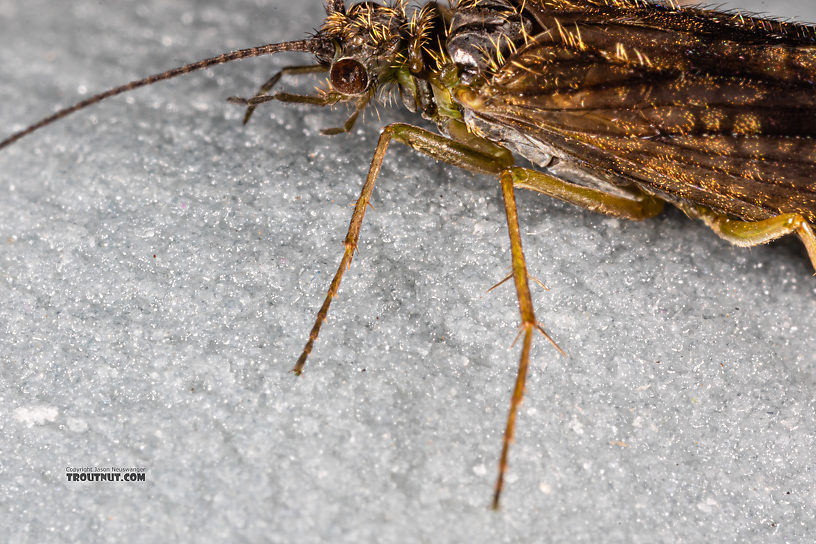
[[160, 267]]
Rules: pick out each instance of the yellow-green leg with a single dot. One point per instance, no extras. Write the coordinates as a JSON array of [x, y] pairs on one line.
[[754, 233], [636, 206]]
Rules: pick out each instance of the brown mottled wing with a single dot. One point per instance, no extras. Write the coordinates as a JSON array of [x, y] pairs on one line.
[[690, 105]]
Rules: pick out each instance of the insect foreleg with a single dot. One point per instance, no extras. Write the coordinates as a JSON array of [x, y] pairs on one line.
[[349, 124], [754, 233], [272, 81], [316, 100]]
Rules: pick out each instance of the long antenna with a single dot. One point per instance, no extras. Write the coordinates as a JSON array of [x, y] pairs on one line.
[[303, 46]]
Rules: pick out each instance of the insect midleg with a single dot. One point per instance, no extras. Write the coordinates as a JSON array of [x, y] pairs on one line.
[[637, 207], [754, 233], [272, 81], [528, 322]]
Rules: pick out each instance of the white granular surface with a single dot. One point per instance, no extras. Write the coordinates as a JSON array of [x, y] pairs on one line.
[[161, 266]]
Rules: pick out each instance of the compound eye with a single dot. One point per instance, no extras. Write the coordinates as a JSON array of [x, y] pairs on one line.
[[348, 76]]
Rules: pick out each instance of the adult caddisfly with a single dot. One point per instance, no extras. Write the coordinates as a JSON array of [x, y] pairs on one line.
[[623, 105]]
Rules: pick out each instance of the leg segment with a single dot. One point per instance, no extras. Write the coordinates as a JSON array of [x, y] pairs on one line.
[[352, 236], [272, 81], [639, 206], [528, 323], [349, 124], [753, 233], [327, 99], [316, 100]]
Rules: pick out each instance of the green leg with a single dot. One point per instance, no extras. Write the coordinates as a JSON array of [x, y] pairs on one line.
[[754, 233], [637, 207], [485, 156], [464, 149]]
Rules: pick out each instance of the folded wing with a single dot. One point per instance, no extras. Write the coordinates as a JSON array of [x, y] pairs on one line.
[[713, 109]]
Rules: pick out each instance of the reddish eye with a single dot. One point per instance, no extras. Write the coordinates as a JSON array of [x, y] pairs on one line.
[[348, 76]]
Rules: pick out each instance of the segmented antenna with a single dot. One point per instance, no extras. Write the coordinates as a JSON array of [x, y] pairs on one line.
[[302, 46]]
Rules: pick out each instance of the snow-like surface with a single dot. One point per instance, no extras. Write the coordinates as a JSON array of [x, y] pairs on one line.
[[161, 266]]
